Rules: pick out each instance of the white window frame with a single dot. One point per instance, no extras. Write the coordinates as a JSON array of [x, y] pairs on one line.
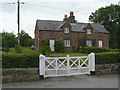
[[89, 43], [89, 31], [66, 30], [100, 43], [67, 43]]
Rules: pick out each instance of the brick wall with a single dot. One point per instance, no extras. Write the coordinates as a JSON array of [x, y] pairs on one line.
[[74, 37]]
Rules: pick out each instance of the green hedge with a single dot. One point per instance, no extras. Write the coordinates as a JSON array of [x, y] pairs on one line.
[[12, 60], [107, 57], [88, 50]]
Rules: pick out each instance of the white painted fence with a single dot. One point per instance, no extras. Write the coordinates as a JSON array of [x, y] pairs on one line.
[[66, 66]]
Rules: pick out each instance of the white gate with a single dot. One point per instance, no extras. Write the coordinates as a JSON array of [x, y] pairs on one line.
[[66, 66]]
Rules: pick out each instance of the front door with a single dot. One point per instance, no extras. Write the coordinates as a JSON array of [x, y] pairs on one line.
[[52, 45]]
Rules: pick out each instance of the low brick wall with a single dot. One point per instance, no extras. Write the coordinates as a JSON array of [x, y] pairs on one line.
[[32, 74]]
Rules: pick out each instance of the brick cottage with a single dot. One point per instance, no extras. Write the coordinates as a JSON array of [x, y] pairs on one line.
[[71, 32]]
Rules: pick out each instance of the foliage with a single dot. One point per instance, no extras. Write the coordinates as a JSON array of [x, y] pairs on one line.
[[94, 42], [82, 42], [12, 60], [45, 50], [107, 57], [16, 49], [45, 42], [8, 40], [25, 39], [59, 46], [88, 50], [109, 17]]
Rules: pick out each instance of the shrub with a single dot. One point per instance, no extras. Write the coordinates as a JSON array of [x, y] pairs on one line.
[[45, 42], [114, 50], [107, 57], [6, 49], [88, 50], [59, 46], [12, 60], [16, 49], [45, 50]]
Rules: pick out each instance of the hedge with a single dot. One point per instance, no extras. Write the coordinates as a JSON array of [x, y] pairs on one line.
[[30, 60], [107, 57], [12, 60], [88, 50]]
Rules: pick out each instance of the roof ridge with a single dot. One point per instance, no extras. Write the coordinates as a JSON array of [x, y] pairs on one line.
[[50, 20]]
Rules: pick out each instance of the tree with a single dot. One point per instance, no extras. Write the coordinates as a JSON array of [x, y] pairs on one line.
[[109, 17], [25, 39], [8, 40]]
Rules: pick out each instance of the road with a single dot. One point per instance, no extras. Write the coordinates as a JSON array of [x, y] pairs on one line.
[[77, 81]]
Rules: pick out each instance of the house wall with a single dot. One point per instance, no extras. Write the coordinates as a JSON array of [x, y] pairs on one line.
[[74, 37]]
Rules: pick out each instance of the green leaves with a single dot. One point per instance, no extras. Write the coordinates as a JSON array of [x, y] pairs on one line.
[[109, 17]]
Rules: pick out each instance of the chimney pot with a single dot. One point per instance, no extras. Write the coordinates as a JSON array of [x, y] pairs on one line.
[[71, 13], [65, 16]]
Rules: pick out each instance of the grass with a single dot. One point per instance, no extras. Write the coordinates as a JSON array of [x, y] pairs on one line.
[[65, 54], [27, 50]]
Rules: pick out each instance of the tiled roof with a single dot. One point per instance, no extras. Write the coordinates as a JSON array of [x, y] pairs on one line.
[[77, 27]]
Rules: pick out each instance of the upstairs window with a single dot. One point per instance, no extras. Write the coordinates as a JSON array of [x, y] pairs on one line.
[[67, 43], [66, 30], [88, 43], [88, 31]]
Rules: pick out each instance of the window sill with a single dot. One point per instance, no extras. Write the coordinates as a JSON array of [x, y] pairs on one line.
[[67, 46]]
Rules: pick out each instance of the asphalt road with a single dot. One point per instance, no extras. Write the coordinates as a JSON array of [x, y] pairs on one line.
[[77, 81]]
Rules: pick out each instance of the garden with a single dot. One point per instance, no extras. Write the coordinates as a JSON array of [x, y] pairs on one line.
[[30, 59]]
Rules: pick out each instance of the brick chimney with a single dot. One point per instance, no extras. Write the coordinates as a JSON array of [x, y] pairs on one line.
[[65, 18], [71, 18]]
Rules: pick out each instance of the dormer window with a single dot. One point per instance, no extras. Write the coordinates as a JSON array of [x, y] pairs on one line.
[[66, 30], [88, 31]]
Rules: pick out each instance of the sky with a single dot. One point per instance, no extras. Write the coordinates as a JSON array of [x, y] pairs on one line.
[[33, 10]]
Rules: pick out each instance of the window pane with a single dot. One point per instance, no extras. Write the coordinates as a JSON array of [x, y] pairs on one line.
[[88, 42], [66, 42], [66, 30], [100, 43], [88, 31]]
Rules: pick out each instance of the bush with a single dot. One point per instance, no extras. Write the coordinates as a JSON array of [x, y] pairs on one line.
[[88, 50], [45, 50], [107, 57], [12, 60], [114, 50], [45, 42], [16, 49], [59, 46]]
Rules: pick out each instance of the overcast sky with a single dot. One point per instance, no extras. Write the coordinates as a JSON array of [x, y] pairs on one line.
[[45, 10]]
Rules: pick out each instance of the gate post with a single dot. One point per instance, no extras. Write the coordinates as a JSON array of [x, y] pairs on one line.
[[92, 63], [41, 66], [68, 65]]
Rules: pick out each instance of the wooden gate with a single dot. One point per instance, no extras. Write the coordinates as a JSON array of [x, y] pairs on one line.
[[66, 66]]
